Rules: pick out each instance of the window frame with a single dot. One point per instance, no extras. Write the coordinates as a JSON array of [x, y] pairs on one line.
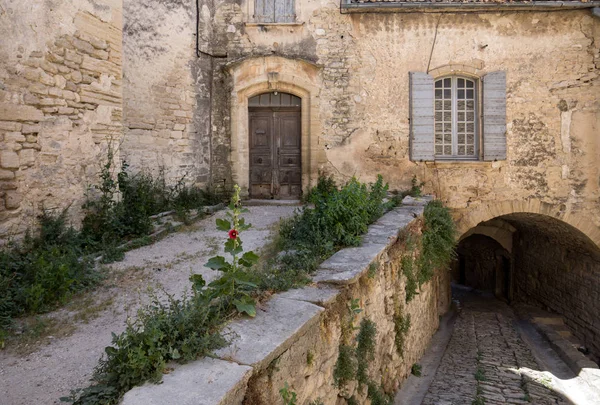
[[258, 19], [478, 119]]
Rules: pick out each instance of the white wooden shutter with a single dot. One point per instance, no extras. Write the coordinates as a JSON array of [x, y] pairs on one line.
[[421, 116], [284, 11], [264, 11], [494, 116]]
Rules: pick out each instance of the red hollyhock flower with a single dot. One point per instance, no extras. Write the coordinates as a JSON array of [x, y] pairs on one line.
[[233, 234]]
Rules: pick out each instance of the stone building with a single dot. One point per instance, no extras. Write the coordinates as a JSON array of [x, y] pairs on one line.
[[492, 103]]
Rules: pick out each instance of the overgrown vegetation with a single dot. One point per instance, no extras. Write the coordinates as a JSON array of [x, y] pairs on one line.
[[50, 265], [288, 396], [338, 219], [401, 327], [178, 329], [438, 240], [43, 271]]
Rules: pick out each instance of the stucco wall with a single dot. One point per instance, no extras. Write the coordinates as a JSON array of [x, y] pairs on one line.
[[60, 101]]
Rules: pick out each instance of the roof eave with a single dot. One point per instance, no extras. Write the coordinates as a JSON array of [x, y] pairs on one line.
[[421, 7]]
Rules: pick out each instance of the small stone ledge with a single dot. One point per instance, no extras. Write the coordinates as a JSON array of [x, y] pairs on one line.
[[203, 382], [256, 342]]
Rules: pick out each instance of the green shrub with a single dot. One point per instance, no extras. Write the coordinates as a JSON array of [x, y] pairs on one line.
[[401, 327], [416, 370], [438, 240], [345, 366], [43, 271]]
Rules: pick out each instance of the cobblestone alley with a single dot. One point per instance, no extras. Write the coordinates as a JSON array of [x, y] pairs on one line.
[[487, 362]]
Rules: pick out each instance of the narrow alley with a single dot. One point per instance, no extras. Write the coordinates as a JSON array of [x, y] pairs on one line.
[[492, 357]]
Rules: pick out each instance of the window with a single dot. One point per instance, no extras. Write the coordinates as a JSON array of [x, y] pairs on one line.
[[455, 119], [274, 11], [445, 114]]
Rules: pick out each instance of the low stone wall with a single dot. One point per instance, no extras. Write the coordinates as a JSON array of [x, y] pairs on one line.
[[296, 336]]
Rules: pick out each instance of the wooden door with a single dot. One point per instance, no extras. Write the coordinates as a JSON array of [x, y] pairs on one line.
[[275, 159]]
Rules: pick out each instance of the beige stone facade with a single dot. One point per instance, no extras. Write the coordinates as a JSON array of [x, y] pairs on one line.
[[60, 102]]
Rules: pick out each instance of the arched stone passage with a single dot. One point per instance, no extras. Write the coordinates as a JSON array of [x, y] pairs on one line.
[[259, 75], [548, 263], [586, 223]]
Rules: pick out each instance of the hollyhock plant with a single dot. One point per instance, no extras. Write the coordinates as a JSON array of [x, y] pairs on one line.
[[235, 285]]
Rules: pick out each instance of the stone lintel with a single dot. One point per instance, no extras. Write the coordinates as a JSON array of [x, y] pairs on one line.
[[203, 382], [258, 341]]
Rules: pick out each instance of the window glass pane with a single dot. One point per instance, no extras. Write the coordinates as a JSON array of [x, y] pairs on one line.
[[461, 117], [461, 138], [448, 105], [295, 101], [461, 82], [276, 99], [470, 104], [448, 128], [438, 94], [439, 138], [447, 150], [471, 139], [470, 94], [471, 127], [461, 94], [470, 84], [439, 127], [439, 116], [447, 116], [470, 116], [438, 149], [448, 138], [461, 128], [447, 82], [470, 150], [447, 93], [461, 150], [254, 101], [460, 104], [438, 84]]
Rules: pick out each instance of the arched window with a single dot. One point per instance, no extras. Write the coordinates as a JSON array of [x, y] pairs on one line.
[[456, 117]]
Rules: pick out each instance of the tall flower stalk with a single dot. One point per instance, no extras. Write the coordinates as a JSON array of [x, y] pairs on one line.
[[235, 285]]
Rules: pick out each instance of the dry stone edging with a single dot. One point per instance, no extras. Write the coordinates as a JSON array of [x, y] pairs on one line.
[[281, 323]]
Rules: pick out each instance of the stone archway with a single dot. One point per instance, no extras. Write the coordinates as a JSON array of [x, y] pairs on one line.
[[467, 219], [258, 75]]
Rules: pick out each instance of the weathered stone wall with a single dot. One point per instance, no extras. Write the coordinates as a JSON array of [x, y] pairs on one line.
[[479, 258], [558, 274], [551, 61], [60, 101], [295, 337], [168, 91]]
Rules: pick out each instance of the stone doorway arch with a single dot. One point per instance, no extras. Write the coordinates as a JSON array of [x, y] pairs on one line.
[[254, 76]]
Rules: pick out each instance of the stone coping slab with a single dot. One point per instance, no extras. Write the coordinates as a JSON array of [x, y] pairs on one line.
[[348, 265], [319, 295], [203, 382], [258, 341]]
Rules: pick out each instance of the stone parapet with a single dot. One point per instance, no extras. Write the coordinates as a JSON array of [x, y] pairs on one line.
[[295, 337]]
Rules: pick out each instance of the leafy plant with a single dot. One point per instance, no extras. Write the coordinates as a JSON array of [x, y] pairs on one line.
[[345, 366], [365, 349], [438, 240], [235, 283], [416, 370], [401, 327], [288, 396], [416, 185]]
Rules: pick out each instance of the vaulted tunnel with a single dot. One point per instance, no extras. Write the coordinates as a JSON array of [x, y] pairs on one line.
[[539, 260]]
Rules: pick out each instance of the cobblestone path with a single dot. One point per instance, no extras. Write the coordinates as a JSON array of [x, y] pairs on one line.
[[486, 362]]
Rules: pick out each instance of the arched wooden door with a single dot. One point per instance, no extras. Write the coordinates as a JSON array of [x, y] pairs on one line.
[[275, 135]]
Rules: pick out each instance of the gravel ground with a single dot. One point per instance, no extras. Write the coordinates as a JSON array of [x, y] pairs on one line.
[[59, 363]]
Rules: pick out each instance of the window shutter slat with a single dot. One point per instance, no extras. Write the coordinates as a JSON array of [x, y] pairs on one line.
[[264, 11], [494, 116], [421, 116], [284, 11]]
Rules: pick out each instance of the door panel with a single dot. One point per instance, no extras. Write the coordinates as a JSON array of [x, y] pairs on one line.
[[275, 159], [261, 154]]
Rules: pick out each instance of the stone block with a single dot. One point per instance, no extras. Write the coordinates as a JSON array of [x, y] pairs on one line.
[[6, 175], [12, 199], [27, 157], [348, 265], [31, 128], [76, 76], [9, 159], [260, 340], [14, 137], [10, 126], [60, 81], [15, 112], [203, 382], [318, 295]]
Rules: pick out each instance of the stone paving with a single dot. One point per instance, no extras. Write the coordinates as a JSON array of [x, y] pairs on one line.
[[486, 361]]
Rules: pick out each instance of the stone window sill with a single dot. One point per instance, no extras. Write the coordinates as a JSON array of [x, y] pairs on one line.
[[463, 163], [255, 24]]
